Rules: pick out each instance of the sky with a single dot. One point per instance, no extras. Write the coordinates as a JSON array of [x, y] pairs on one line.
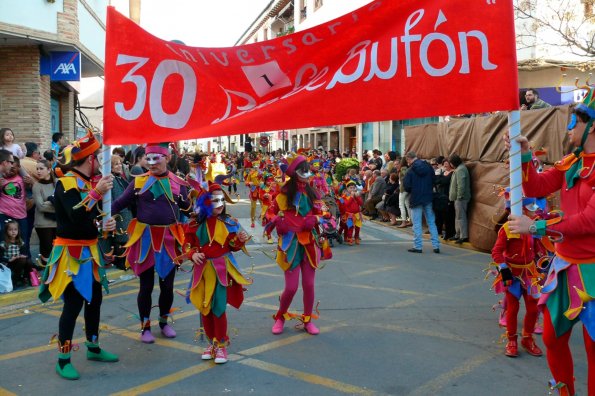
[[198, 23]]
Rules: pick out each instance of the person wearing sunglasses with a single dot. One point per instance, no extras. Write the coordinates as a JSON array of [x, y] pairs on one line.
[[6, 161], [155, 236], [567, 294], [216, 280]]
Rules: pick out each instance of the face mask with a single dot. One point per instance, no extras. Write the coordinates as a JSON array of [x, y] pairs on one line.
[[153, 159], [303, 174], [217, 201]]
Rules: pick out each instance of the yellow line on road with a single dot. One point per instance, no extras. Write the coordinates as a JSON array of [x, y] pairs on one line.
[[376, 288], [434, 386], [164, 381], [4, 392], [418, 331], [31, 351], [261, 305], [375, 270], [265, 295], [310, 378], [268, 274]]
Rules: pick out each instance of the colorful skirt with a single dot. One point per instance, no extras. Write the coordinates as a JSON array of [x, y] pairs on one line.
[[568, 293], [73, 261], [215, 283], [294, 246], [527, 280], [153, 246]]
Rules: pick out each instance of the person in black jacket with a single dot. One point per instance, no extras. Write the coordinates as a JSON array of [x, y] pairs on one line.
[[419, 183], [75, 267]]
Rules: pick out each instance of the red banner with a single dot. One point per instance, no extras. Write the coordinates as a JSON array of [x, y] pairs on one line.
[[388, 60]]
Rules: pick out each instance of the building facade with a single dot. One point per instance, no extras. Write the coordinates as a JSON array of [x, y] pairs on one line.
[[34, 34]]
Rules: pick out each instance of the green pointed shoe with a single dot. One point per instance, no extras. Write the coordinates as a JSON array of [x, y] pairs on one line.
[[102, 356], [68, 372]]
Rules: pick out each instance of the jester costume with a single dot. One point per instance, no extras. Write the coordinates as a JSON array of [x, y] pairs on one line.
[[569, 290], [253, 181], [217, 280], [299, 246], [75, 269], [155, 239], [350, 208], [518, 253]]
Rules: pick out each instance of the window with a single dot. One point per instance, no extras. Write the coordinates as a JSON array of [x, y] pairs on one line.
[[317, 4]]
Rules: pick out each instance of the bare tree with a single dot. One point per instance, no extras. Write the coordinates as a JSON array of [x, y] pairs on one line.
[[558, 23]]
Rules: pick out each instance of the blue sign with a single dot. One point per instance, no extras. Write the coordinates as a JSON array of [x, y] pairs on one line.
[[65, 66]]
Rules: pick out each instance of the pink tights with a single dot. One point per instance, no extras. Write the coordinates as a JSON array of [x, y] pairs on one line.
[[292, 278]]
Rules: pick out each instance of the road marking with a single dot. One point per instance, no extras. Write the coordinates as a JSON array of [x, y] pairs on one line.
[[418, 331], [306, 377], [270, 307], [375, 270], [4, 392], [376, 288], [34, 350], [434, 386], [164, 381], [268, 274], [264, 295]]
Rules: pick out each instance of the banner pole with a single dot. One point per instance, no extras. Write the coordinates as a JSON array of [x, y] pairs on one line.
[[516, 186], [106, 169]]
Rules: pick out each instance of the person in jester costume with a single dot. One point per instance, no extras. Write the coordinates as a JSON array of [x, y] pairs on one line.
[[569, 289], [515, 256], [75, 268], [210, 240], [299, 210], [155, 236]]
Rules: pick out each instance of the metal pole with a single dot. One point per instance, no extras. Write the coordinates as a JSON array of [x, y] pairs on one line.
[[516, 184], [106, 169]]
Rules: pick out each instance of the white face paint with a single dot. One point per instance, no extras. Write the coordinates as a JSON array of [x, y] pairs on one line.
[[217, 199], [303, 174]]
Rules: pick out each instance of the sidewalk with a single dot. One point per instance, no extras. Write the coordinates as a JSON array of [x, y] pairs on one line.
[[409, 230]]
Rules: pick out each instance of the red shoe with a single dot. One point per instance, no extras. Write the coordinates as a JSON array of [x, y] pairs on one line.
[[529, 345], [252, 225], [208, 353], [221, 355], [512, 348], [357, 241]]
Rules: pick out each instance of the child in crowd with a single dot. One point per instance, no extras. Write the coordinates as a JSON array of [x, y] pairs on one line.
[[14, 254], [7, 143]]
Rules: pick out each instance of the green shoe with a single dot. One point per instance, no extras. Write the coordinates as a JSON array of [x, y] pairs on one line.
[[68, 372], [102, 356]]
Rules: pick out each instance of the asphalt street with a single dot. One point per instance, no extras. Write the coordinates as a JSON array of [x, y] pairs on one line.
[[392, 322]]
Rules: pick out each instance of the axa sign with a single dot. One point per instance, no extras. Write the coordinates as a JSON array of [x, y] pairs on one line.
[[65, 66]]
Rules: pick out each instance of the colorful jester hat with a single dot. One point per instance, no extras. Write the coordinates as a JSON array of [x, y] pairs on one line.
[[81, 148], [157, 148], [528, 203], [202, 196], [293, 161], [573, 164]]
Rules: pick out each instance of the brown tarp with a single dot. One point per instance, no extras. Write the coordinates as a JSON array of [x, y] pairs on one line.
[[478, 141]]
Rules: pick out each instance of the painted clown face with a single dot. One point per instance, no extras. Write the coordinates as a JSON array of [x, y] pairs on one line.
[[217, 202]]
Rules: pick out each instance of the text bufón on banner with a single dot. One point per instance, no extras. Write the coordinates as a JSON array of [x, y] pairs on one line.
[[388, 60]]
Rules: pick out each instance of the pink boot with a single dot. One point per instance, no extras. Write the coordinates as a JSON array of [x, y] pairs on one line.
[[278, 326], [309, 325]]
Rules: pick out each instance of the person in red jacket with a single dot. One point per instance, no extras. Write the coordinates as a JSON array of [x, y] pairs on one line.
[[350, 208], [568, 293], [267, 194], [515, 255]]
